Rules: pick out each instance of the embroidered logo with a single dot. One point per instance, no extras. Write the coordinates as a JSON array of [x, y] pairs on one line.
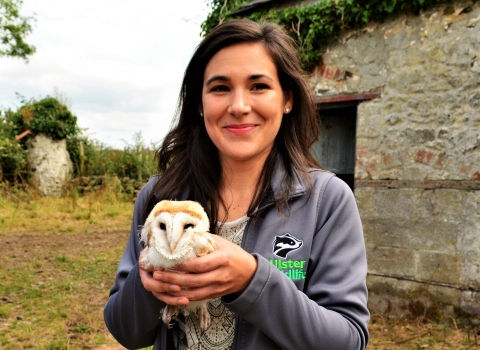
[[285, 244], [294, 269]]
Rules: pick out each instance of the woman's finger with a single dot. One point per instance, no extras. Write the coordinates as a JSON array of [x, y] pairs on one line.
[[161, 290], [171, 299], [186, 280], [153, 285]]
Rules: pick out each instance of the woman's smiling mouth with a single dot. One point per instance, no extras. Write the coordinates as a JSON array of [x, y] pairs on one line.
[[240, 129]]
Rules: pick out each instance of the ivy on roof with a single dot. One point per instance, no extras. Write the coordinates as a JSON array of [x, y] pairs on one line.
[[315, 25]]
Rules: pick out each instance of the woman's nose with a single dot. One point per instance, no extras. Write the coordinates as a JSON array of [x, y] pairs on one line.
[[239, 104]]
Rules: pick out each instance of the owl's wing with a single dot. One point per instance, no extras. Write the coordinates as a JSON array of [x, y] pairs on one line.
[[204, 244]]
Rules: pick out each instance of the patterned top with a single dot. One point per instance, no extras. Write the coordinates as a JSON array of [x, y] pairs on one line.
[[219, 335]]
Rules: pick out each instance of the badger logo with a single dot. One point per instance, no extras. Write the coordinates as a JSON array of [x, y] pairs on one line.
[[285, 244]]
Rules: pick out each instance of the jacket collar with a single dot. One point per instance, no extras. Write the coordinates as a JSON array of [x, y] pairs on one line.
[[277, 183]]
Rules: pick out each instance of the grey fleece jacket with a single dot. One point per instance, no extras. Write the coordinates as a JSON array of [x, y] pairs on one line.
[[308, 292]]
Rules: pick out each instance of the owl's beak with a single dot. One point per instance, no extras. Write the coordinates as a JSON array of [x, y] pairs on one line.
[[172, 247]]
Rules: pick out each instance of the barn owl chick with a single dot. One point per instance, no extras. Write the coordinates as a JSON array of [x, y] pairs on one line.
[[174, 232]]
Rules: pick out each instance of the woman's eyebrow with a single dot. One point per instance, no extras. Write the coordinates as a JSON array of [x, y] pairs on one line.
[[217, 77], [258, 76], [225, 78]]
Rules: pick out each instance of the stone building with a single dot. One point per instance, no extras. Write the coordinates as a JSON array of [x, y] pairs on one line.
[[399, 103]]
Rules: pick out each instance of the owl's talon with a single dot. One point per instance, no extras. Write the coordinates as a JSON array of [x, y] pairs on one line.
[[204, 318], [170, 312]]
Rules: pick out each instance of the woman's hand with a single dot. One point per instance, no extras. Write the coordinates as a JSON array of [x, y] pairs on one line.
[[159, 289], [227, 270]]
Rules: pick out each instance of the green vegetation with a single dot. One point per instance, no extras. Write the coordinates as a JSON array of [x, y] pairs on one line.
[[51, 117], [59, 257], [91, 157], [315, 25], [13, 156], [13, 29], [25, 211], [46, 116]]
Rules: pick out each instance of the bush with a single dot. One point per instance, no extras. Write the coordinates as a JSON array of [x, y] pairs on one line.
[[47, 116], [135, 161], [13, 154]]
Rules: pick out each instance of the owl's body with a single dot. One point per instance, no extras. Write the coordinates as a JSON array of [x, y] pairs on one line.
[[174, 232]]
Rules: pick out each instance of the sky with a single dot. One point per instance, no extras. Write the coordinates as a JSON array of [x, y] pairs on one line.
[[118, 64]]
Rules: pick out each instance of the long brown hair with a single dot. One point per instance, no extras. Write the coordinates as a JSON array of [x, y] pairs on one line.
[[187, 156]]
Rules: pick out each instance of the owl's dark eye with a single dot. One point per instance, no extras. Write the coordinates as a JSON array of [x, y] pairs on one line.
[[162, 226], [187, 226]]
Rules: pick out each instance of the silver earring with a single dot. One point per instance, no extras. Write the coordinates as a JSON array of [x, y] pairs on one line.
[[201, 114], [287, 110]]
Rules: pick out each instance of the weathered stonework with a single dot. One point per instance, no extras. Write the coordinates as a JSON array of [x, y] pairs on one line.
[[49, 163], [422, 229]]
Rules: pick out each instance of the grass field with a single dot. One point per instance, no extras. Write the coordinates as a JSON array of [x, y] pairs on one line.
[[59, 258]]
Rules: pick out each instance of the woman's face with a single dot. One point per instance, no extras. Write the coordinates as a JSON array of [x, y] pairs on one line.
[[243, 102]]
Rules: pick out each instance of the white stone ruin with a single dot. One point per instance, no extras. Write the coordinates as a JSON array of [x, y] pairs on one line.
[[49, 163]]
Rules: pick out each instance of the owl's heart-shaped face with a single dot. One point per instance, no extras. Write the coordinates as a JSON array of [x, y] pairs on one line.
[[172, 230]]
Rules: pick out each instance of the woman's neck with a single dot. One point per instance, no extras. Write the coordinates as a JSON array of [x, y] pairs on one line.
[[239, 180]]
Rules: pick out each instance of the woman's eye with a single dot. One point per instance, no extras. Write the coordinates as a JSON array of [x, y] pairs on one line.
[[220, 88], [260, 87]]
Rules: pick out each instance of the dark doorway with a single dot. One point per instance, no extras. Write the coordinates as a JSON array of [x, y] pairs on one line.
[[336, 148]]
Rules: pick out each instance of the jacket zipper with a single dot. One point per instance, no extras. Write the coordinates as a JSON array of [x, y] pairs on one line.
[[236, 337]]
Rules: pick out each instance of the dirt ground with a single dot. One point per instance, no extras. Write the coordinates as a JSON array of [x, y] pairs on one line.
[[21, 249], [74, 266]]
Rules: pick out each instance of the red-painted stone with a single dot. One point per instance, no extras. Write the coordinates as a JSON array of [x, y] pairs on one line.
[[430, 156], [331, 72], [362, 153], [420, 155], [386, 159], [440, 159]]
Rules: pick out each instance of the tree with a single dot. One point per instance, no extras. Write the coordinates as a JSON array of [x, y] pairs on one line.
[[13, 30]]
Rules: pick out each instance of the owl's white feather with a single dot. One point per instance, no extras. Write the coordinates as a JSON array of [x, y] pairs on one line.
[[174, 232]]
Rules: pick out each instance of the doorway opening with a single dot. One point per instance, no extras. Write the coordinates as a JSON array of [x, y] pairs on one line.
[[338, 132], [336, 148]]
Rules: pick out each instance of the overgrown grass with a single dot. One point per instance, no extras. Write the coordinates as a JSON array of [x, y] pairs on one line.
[[59, 257], [55, 303], [420, 333], [25, 211]]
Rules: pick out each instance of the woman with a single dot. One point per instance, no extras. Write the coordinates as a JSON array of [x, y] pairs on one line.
[[291, 272]]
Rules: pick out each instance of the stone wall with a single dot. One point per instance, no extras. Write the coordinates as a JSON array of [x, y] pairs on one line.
[[417, 155], [49, 163], [92, 183]]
